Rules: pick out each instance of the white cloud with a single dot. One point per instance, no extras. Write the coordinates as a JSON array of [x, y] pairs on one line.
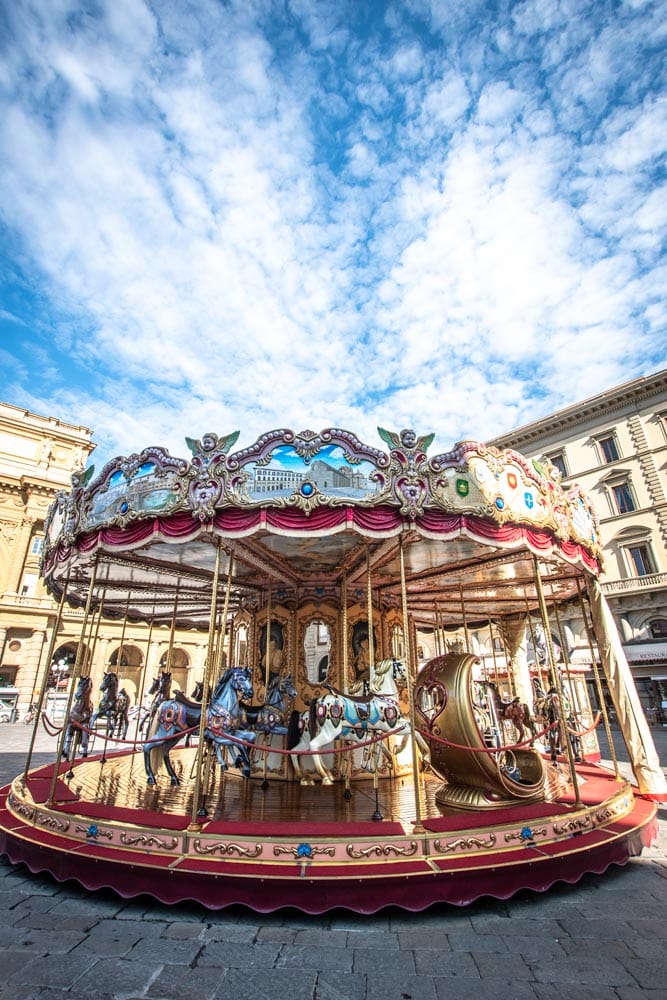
[[240, 230]]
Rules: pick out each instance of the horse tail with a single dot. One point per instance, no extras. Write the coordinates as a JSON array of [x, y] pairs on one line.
[[293, 730]]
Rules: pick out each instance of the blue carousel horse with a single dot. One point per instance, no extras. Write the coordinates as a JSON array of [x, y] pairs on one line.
[[270, 717], [80, 715], [114, 706], [223, 719], [336, 715]]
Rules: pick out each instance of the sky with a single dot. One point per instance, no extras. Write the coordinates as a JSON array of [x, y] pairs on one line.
[[221, 215]]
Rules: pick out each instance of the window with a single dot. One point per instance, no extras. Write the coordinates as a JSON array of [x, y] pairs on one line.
[[37, 546], [641, 563], [609, 448], [658, 628], [559, 461], [625, 501], [29, 585]]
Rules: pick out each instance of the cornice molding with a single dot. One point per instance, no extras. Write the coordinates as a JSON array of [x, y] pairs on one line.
[[610, 402]]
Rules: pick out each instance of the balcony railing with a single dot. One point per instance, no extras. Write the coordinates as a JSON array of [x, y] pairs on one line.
[[634, 583]]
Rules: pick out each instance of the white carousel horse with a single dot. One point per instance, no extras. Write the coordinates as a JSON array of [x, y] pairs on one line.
[[223, 719], [336, 715]]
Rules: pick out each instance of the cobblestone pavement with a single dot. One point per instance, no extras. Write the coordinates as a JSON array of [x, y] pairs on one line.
[[602, 939]]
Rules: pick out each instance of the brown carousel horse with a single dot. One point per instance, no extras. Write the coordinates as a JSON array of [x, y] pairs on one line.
[[80, 715], [515, 711]]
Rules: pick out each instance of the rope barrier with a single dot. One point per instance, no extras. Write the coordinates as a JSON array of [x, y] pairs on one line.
[[487, 750]]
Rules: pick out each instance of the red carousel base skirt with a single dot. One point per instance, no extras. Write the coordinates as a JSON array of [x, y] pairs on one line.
[[310, 848]]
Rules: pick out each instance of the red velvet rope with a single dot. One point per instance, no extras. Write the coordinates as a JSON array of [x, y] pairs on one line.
[[264, 748]]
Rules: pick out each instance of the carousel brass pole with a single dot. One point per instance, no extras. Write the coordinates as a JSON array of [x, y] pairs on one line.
[[47, 669], [267, 674], [219, 671], [119, 665], [172, 632], [86, 669], [371, 631], [495, 662], [466, 636], [418, 827], [208, 670], [142, 686], [532, 639], [377, 815], [598, 683], [344, 658], [438, 631], [75, 674], [556, 677]]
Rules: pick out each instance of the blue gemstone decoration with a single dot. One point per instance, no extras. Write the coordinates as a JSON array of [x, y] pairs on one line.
[[92, 831], [124, 507], [307, 489], [500, 503], [304, 851], [526, 833]]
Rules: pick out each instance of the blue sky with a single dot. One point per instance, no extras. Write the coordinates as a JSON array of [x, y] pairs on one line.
[[442, 214]]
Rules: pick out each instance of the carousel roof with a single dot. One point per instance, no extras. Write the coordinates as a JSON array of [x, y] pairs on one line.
[[305, 515]]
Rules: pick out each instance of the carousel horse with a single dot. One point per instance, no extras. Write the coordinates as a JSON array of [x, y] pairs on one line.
[[80, 715], [223, 720], [114, 706], [557, 717], [515, 711], [160, 689], [270, 717], [336, 715]]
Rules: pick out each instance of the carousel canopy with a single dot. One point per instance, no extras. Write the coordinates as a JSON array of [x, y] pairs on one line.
[[309, 517]]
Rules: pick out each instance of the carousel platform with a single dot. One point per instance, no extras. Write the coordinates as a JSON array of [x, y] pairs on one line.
[[310, 848]]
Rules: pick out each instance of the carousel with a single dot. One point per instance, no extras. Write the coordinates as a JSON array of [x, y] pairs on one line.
[[349, 740]]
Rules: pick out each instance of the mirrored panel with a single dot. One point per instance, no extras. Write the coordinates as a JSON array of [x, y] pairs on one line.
[[317, 650]]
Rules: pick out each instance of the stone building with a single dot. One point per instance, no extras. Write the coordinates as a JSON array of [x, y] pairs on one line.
[[37, 458], [614, 446]]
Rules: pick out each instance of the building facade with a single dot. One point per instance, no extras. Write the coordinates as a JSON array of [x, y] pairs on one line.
[[37, 458], [614, 446]]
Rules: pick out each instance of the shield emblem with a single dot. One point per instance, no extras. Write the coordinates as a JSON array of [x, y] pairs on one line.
[[462, 487], [511, 480], [529, 500]]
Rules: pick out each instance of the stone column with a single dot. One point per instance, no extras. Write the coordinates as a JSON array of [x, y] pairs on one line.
[[30, 675], [515, 638], [18, 555], [3, 636]]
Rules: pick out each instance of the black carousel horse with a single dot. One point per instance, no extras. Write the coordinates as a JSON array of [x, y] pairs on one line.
[[80, 716], [223, 724], [114, 706], [557, 714], [161, 691]]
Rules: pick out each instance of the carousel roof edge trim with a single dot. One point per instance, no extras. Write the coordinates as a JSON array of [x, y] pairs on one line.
[[322, 483]]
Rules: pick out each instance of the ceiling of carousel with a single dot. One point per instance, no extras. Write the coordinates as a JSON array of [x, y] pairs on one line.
[[446, 581]]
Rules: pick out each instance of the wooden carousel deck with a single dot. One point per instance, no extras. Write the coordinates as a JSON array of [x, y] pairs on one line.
[[307, 846]]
